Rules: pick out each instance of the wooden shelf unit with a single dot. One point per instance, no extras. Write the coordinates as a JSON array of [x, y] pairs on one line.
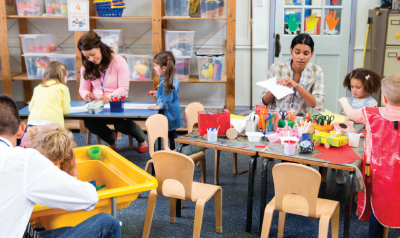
[[159, 22]]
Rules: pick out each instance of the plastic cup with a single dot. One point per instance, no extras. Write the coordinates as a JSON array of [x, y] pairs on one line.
[[354, 139], [212, 134], [94, 152], [289, 148]]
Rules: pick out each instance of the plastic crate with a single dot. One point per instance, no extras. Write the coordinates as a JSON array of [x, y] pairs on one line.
[[69, 60], [140, 67], [30, 7], [111, 37], [212, 9], [177, 8], [57, 7], [38, 43], [210, 65], [179, 42], [182, 67], [36, 64]]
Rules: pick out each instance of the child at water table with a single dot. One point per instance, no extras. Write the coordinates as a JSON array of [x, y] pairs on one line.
[[381, 161]]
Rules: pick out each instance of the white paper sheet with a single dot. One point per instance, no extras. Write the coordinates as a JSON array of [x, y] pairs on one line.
[[79, 109], [133, 106], [278, 91]]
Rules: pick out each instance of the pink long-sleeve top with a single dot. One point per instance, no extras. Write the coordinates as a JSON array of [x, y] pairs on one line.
[[388, 112], [116, 80]]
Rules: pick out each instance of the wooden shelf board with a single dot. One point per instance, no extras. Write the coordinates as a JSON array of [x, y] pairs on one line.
[[46, 17], [195, 79], [92, 17], [192, 18], [117, 18], [24, 77], [145, 81], [13, 74]]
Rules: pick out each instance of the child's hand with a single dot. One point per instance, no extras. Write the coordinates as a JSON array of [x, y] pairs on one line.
[[154, 108], [153, 93], [89, 97], [343, 100]]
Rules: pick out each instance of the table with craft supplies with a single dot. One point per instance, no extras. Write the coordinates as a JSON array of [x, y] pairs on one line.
[[344, 158], [132, 110]]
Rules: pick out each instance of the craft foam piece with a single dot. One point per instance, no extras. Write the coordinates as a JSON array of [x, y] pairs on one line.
[[341, 155]]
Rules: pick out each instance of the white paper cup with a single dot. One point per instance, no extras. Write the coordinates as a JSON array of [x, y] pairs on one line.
[[289, 149], [212, 134], [354, 139]]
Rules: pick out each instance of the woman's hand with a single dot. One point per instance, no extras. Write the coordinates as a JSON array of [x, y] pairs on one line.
[[105, 99], [153, 93], [89, 97], [288, 82], [154, 108]]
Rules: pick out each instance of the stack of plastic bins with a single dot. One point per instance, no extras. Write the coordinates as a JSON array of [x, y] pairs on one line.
[[38, 43], [111, 37], [30, 7], [123, 180], [36, 64], [140, 67], [69, 60], [177, 8], [212, 9], [182, 67], [57, 7], [210, 64]]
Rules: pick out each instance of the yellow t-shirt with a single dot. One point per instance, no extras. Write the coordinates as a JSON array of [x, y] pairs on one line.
[[50, 103]]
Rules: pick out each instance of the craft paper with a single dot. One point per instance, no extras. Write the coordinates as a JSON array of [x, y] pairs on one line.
[[278, 91], [78, 109], [341, 155], [239, 124]]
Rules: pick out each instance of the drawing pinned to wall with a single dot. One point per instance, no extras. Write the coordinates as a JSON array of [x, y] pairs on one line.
[[333, 2], [293, 2], [332, 27], [292, 21], [396, 5], [313, 23]]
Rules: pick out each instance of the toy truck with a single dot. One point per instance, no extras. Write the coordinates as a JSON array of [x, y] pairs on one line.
[[330, 139]]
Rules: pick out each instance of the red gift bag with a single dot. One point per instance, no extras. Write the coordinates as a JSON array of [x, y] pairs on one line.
[[221, 120]]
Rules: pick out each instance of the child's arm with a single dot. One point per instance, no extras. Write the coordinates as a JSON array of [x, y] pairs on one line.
[[66, 101], [346, 107], [357, 115]]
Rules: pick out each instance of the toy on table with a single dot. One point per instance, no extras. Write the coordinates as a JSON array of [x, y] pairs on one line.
[[306, 144], [328, 140], [287, 116], [343, 126], [221, 119], [141, 70], [268, 121], [95, 106]]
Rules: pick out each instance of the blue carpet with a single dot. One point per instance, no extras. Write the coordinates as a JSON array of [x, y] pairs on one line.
[[234, 190]]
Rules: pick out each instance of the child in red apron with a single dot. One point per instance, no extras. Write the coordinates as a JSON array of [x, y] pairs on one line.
[[380, 201]]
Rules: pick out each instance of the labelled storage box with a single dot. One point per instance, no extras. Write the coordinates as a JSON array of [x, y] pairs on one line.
[[212, 9], [177, 8], [210, 65], [111, 37], [182, 67], [69, 60], [38, 43], [140, 67], [36, 64], [30, 7], [179, 42], [56, 7]]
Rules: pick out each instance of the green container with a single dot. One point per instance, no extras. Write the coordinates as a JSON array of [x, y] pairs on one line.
[[282, 123], [94, 152]]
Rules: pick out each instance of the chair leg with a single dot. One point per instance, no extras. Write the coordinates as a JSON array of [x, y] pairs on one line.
[[89, 137], [98, 140], [323, 227], [172, 208], [130, 143], [335, 222], [119, 135], [235, 170], [203, 168], [148, 166], [218, 210], [281, 224], [182, 203], [323, 175], [266, 226], [216, 168], [385, 232], [149, 213], [198, 218]]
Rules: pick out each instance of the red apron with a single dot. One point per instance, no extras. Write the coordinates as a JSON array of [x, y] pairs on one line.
[[382, 187]]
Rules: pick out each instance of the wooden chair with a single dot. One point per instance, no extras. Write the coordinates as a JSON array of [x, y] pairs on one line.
[[192, 123], [89, 138], [157, 127], [296, 192], [174, 172]]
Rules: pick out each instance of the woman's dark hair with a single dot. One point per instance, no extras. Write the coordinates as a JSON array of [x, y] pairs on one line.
[[370, 80], [89, 42], [167, 59], [303, 39]]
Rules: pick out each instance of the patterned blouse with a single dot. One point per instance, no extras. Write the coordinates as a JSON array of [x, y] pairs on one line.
[[312, 80]]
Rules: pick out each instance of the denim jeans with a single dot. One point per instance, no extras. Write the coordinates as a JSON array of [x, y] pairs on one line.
[[375, 228], [101, 225]]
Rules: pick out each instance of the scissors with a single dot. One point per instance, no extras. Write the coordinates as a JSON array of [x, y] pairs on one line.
[[291, 116], [316, 117], [329, 119], [283, 114]]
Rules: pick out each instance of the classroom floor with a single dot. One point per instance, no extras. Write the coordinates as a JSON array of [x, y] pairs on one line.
[[234, 190]]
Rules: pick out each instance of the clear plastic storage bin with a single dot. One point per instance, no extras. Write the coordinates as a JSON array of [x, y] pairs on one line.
[[30, 7], [182, 67], [179, 42], [38, 43], [111, 37], [140, 67], [212, 9], [36, 64], [57, 7], [177, 8], [210, 65], [69, 60]]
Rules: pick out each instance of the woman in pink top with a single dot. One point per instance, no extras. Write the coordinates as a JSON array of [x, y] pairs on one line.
[[104, 73]]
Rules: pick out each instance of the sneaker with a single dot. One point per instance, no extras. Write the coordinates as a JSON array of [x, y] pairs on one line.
[[340, 177]]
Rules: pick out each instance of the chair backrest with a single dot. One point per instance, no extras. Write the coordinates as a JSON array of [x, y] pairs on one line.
[[191, 114], [171, 165], [157, 126], [290, 178]]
